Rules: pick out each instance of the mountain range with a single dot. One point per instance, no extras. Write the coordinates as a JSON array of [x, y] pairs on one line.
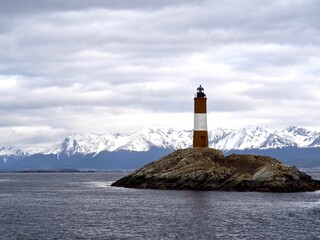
[[292, 145]]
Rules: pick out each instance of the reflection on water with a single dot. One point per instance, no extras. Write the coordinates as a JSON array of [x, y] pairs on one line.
[[99, 184]]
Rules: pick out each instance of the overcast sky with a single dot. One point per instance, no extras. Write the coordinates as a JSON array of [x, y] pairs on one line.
[[99, 66]]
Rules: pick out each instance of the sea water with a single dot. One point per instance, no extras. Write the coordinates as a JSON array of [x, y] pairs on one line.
[[85, 206]]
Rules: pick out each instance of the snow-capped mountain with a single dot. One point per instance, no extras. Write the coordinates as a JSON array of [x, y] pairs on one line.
[[143, 140], [8, 153], [139, 141], [263, 138], [293, 145], [223, 139], [244, 138]]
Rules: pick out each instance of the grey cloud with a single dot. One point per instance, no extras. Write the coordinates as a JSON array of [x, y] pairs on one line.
[[34, 6], [135, 35]]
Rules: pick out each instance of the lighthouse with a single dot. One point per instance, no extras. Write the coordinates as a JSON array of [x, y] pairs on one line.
[[200, 133]]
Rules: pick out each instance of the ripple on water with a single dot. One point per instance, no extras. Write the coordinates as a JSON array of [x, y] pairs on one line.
[[6, 180], [85, 206]]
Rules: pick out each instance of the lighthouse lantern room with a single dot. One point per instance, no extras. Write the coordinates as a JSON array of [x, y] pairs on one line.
[[200, 133]]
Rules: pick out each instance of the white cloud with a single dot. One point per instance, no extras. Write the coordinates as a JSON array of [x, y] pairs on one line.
[[22, 136], [97, 66]]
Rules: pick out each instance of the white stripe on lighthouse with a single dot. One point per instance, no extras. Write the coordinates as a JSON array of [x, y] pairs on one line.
[[200, 122]]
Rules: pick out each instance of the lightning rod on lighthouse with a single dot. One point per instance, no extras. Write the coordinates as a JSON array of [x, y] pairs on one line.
[[200, 133]]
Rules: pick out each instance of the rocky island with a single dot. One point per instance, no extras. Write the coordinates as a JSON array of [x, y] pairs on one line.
[[209, 169]]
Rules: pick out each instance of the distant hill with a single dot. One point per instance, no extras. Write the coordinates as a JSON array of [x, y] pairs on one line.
[[292, 145]]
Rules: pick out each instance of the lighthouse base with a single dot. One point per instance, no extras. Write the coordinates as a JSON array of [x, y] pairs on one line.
[[200, 139]]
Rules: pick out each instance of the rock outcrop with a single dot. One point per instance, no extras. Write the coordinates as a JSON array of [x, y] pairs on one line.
[[209, 169]]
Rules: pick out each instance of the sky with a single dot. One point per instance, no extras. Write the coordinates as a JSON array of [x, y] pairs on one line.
[[102, 66]]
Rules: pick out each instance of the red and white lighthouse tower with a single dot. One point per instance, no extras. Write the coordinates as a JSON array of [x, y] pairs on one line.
[[200, 133]]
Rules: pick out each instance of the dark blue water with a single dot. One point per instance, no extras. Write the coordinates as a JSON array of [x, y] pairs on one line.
[[84, 206]]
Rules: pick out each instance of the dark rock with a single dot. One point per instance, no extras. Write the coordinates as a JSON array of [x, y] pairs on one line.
[[208, 169]]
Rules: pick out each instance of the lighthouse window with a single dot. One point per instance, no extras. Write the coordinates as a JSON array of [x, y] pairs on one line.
[[200, 92]]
